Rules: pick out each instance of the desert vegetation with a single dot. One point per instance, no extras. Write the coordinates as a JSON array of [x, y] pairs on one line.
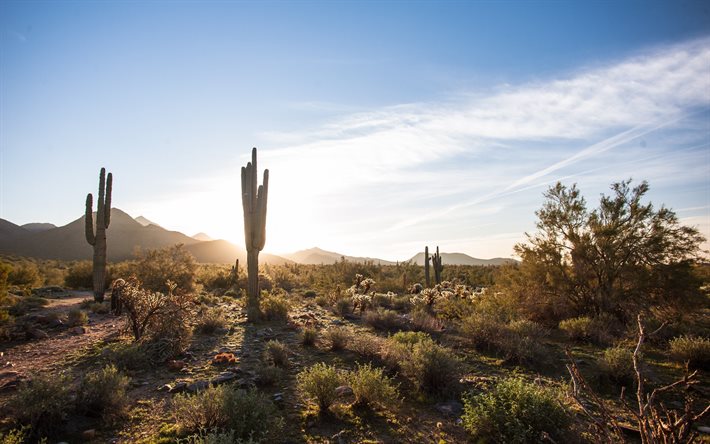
[[599, 334]]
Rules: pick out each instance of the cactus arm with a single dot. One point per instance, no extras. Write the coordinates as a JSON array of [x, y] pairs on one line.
[[262, 199], [107, 205], [100, 211], [89, 220], [253, 190], [245, 205]]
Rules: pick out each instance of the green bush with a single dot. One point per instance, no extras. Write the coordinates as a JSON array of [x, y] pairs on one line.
[[42, 403], [103, 392], [483, 330], [276, 353], [77, 317], [692, 349], [371, 387], [246, 414], [27, 303], [515, 411], [599, 330], [81, 276], [617, 363], [318, 383], [366, 345], [14, 436], [25, 274], [337, 337], [154, 268], [274, 307]]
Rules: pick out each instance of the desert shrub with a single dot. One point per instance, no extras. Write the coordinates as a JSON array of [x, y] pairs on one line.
[[15, 436], [25, 274], [249, 414], [323, 301], [103, 392], [366, 345], [268, 375], [515, 411], [383, 319], [617, 363], [77, 317], [154, 268], [133, 356], [215, 437], [692, 349], [309, 293], [276, 353], [421, 320], [42, 403], [98, 307], [309, 336], [371, 387], [342, 306], [24, 304], [432, 367], [274, 307], [211, 320], [318, 383], [337, 337], [482, 329], [454, 308], [214, 277], [599, 330], [81, 275]]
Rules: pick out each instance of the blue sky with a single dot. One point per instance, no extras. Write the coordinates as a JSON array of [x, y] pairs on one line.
[[386, 125]]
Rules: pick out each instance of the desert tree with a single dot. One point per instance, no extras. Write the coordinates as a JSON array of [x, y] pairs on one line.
[[622, 253]]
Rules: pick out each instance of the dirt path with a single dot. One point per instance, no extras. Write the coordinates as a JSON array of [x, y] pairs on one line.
[[20, 359]]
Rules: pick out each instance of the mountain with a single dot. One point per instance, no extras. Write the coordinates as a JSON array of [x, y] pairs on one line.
[[37, 226], [124, 236], [201, 237], [145, 222], [221, 252], [462, 259], [316, 256]]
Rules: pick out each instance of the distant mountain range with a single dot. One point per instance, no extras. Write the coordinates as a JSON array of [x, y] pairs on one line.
[[126, 235]]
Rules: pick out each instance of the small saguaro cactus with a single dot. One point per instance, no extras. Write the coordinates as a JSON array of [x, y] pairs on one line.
[[98, 239], [426, 267], [437, 265], [254, 204]]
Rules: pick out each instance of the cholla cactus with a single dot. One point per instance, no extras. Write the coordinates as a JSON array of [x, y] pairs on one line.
[[426, 298], [98, 239], [254, 205]]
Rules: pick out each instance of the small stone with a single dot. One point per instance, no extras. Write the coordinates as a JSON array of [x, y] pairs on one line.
[[451, 408], [197, 386], [223, 377], [36, 333], [704, 429], [165, 388], [277, 397], [179, 387], [88, 434], [79, 330], [344, 390], [175, 365]]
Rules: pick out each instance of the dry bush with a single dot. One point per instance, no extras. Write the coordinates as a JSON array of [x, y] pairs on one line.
[[367, 345], [77, 317], [276, 353], [383, 319], [421, 320], [308, 336], [337, 337], [617, 364], [274, 307], [691, 349], [154, 268], [599, 330], [211, 321], [42, 403], [103, 392]]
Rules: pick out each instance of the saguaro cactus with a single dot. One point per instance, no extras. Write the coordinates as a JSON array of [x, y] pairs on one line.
[[426, 267], [438, 266], [254, 204], [98, 240]]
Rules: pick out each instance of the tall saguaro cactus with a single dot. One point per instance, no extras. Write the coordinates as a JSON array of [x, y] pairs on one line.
[[254, 204], [98, 239], [438, 266], [426, 267]]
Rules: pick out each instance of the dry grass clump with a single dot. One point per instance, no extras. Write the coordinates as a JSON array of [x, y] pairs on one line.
[[275, 307], [694, 350], [599, 330], [42, 403], [371, 387], [383, 319], [211, 320], [308, 336], [276, 353], [617, 364], [103, 392], [337, 337]]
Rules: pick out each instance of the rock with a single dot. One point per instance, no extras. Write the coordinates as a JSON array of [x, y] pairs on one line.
[[344, 390], [55, 323], [704, 429], [246, 383], [88, 434], [222, 378], [341, 437], [450, 408], [197, 386], [277, 397], [165, 388], [178, 388], [36, 333], [79, 330], [337, 322], [175, 365]]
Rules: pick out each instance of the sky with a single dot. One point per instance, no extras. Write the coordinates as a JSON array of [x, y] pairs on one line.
[[386, 126]]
